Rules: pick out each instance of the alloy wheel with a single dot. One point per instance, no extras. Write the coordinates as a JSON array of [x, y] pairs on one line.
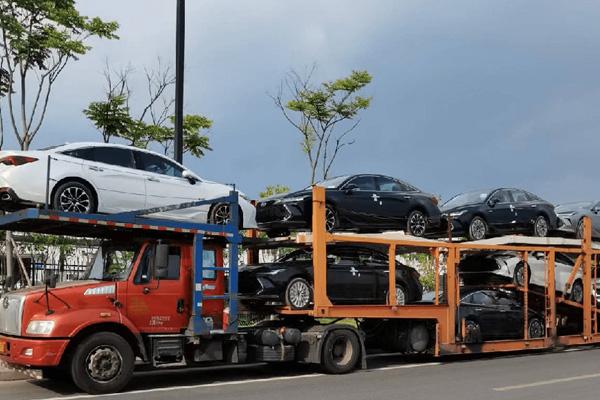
[[400, 296], [299, 294], [330, 219], [577, 292], [104, 363], [536, 329], [478, 229], [417, 223], [75, 199], [541, 227], [221, 214]]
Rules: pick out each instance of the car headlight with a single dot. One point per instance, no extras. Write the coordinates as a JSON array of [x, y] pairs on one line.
[[274, 272], [567, 214], [289, 200], [457, 213], [40, 327]]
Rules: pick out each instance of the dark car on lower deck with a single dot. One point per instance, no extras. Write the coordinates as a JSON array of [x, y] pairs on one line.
[[483, 213], [363, 202], [355, 275]]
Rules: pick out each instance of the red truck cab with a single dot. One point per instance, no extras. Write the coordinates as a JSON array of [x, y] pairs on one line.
[[47, 328]]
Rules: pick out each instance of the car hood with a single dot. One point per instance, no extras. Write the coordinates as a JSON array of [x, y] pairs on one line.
[[299, 193], [467, 207]]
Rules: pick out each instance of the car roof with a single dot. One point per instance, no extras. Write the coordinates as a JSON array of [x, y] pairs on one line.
[[77, 145]]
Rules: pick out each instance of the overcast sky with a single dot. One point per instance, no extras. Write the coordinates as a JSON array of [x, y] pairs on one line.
[[466, 94]]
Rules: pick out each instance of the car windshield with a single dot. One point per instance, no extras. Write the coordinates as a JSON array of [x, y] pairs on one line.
[[112, 262], [464, 199], [331, 183]]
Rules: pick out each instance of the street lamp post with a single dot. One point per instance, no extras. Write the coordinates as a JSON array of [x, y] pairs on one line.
[[179, 63]]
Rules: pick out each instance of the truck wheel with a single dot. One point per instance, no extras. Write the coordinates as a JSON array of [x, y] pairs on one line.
[[341, 352], [102, 363]]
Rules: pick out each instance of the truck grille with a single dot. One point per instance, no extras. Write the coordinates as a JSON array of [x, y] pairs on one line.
[[11, 312]]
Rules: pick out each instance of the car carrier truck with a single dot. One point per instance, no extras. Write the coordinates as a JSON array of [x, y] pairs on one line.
[[163, 293]]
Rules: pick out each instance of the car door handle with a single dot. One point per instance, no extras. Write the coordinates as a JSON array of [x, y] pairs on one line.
[[407, 197], [534, 206], [96, 169], [479, 309], [152, 179]]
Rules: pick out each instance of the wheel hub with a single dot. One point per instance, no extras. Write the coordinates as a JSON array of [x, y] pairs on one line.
[[299, 294], [541, 227], [477, 230], [104, 363], [417, 224], [222, 216], [74, 199]]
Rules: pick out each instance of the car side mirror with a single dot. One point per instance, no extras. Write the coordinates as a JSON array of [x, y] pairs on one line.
[[190, 177], [161, 261], [492, 203], [350, 188]]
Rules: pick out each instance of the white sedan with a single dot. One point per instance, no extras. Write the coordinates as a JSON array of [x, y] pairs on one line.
[[510, 265], [111, 178]]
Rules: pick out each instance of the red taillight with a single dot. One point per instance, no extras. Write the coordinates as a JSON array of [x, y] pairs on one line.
[[17, 160]]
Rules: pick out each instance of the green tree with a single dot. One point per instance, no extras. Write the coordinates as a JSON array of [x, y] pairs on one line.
[[155, 124], [273, 190], [38, 38], [324, 115]]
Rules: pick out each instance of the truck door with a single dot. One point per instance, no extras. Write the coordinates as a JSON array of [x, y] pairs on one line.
[[213, 285], [160, 306]]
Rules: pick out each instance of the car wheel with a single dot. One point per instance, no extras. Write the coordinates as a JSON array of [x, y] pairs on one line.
[[540, 226], [472, 333], [401, 296], [102, 363], [331, 219], [577, 292], [298, 294], [519, 275], [221, 215], [341, 352], [579, 231], [74, 197], [478, 229], [416, 224], [536, 328]]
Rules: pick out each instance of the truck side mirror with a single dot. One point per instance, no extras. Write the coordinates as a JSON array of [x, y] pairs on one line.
[[50, 280], [161, 261]]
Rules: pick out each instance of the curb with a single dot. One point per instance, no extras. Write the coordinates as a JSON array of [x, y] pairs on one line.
[[13, 373]]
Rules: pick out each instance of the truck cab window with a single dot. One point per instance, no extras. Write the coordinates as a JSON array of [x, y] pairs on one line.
[[112, 262]]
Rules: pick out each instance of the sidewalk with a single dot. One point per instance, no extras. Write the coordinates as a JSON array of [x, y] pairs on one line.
[[12, 374]]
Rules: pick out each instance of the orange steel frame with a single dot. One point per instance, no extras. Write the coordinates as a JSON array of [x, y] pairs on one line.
[[448, 337]]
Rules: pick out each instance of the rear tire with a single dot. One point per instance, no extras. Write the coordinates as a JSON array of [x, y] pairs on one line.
[[472, 332], [536, 328], [331, 219], [341, 352], [74, 196], [220, 214], [577, 292], [102, 363], [519, 275]]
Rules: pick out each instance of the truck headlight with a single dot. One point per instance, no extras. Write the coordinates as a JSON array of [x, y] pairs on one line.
[[40, 327]]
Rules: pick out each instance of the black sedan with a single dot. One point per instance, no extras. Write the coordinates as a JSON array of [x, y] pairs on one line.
[[355, 275], [357, 202], [494, 314], [483, 213]]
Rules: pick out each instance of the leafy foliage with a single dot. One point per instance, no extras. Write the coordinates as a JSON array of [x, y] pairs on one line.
[[316, 111], [37, 40], [273, 190], [113, 118]]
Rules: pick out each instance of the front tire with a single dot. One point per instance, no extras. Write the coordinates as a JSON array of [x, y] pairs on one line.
[[536, 328], [577, 292], [478, 229], [416, 224], [102, 363], [519, 275], [472, 332], [74, 196], [220, 214], [541, 226], [298, 294], [341, 352], [331, 219]]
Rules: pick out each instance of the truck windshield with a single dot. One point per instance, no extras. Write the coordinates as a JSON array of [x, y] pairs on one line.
[[112, 262]]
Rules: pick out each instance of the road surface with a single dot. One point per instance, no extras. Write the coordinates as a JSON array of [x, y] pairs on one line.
[[560, 375]]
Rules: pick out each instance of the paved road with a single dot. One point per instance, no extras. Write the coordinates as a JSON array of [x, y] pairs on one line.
[[563, 375]]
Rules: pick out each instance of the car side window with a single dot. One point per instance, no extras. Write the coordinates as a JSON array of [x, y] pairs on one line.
[[114, 156], [390, 185], [520, 196], [482, 298], [363, 183], [502, 196], [157, 164], [86, 153]]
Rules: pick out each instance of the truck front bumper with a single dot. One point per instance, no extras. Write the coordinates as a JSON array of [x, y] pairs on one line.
[[32, 352]]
